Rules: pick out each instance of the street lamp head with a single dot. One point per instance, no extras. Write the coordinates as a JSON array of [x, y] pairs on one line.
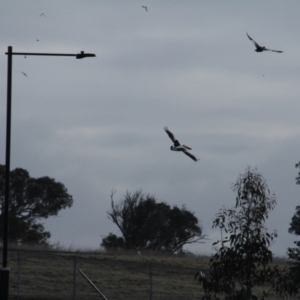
[[83, 55]]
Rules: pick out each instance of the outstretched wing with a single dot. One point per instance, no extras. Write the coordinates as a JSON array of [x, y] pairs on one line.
[[251, 39], [171, 136], [278, 51], [193, 157]]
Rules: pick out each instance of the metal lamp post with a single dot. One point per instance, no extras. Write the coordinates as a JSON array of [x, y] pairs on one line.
[[4, 271]]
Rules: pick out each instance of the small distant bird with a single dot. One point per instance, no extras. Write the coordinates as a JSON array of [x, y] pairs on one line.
[[37, 40], [42, 14], [145, 8], [24, 74], [178, 147], [261, 48]]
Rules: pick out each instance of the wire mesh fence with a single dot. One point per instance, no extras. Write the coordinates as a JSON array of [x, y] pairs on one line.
[[58, 275]]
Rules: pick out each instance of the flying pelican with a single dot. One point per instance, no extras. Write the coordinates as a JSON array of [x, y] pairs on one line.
[[178, 147], [145, 8], [261, 48], [24, 74], [42, 14]]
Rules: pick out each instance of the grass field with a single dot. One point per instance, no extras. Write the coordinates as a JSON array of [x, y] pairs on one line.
[[40, 275]]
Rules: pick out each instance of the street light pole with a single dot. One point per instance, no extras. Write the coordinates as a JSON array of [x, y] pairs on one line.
[[4, 271], [4, 274]]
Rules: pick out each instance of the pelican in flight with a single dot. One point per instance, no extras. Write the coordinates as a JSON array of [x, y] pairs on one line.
[[24, 74], [178, 147], [261, 48], [145, 8]]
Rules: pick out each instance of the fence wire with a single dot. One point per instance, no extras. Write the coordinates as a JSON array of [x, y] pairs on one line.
[[55, 275]]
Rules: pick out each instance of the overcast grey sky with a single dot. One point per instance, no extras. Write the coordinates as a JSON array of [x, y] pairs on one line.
[[97, 123]]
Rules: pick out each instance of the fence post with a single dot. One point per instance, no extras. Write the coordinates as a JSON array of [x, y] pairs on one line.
[[150, 279], [74, 277]]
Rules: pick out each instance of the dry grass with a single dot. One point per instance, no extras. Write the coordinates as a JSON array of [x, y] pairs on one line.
[[40, 274]]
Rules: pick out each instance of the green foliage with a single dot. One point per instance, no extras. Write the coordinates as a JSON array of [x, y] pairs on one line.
[[285, 283], [242, 259], [294, 253], [31, 199], [295, 224], [112, 242], [147, 224], [289, 284], [298, 177], [26, 231]]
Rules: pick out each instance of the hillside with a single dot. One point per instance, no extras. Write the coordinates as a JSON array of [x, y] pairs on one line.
[[50, 275]]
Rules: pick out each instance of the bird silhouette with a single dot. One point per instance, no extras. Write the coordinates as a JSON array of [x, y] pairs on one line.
[[42, 14], [178, 147], [145, 8], [261, 48], [24, 74]]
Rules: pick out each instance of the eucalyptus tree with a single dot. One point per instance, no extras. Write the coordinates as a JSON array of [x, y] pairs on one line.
[[242, 259]]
